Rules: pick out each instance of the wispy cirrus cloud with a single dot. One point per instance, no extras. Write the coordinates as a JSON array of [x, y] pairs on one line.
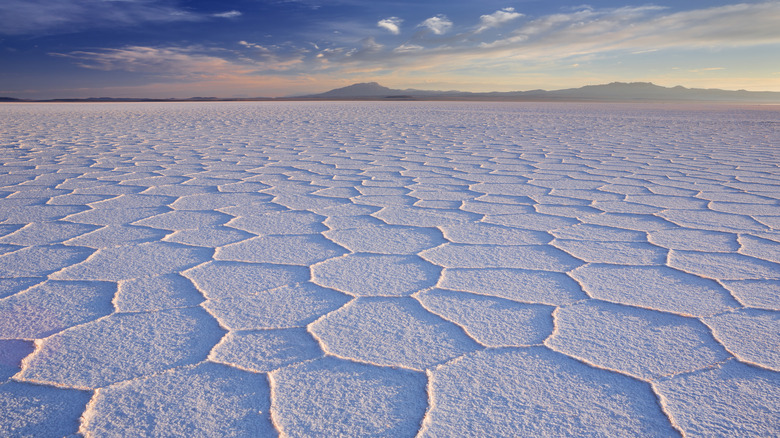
[[573, 37], [641, 29], [228, 14], [438, 24], [30, 17], [497, 19], [391, 24], [178, 62]]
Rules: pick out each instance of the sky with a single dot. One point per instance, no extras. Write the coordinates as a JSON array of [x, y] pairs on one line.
[[274, 48]]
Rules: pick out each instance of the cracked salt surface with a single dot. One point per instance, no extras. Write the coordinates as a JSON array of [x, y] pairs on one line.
[[389, 269]]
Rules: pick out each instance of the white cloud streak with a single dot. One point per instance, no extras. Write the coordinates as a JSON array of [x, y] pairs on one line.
[[439, 24], [391, 24], [180, 62], [408, 47], [228, 14], [638, 29], [497, 19], [189, 63], [28, 17], [558, 40]]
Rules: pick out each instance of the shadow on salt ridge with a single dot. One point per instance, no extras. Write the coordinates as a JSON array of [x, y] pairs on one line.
[[117, 235], [10, 286], [39, 261], [53, 306], [36, 410], [25, 214], [12, 351], [77, 199], [46, 233]]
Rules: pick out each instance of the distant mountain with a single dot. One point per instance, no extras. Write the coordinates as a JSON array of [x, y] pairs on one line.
[[616, 91], [367, 89]]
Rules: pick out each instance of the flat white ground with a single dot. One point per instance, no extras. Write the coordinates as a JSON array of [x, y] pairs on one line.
[[389, 269]]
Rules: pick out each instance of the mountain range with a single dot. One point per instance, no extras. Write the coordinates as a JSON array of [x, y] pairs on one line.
[[613, 92], [616, 91]]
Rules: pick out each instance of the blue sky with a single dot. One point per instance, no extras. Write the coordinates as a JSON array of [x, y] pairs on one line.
[[248, 48]]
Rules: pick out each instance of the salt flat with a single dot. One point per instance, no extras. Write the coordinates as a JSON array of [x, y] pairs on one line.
[[389, 269]]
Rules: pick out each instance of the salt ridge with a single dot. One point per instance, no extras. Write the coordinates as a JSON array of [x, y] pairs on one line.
[[389, 269]]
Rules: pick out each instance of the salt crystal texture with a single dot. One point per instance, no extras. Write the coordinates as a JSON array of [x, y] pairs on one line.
[[389, 269]]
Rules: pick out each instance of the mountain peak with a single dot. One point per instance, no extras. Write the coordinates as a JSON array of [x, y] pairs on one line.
[[615, 91], [363, 89]]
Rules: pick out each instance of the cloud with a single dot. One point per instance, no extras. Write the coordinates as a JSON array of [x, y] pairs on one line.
[[699, 70], [556, 42], [639, 29], [439, 24], [188, 63], [25, 17], [368, 47], [174, 61], [408, 47], [391, 24], [497, 19], [534, 44], [228, 14]]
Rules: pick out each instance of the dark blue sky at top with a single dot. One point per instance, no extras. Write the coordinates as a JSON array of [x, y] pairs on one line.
[[42, 41]]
